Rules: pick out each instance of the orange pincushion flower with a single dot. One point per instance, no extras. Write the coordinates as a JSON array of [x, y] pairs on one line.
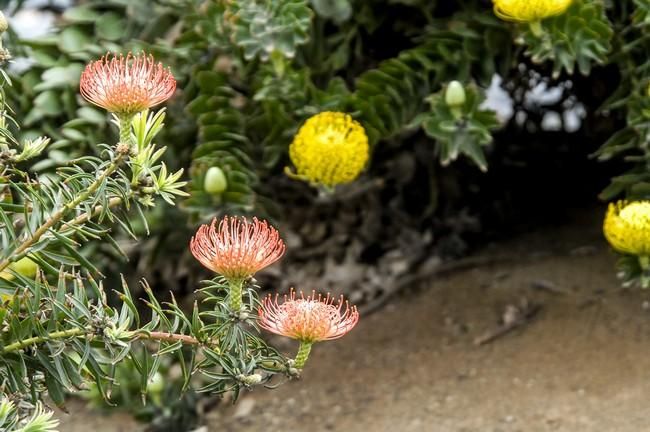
[[308, 319], [126, 85], [237, 248]]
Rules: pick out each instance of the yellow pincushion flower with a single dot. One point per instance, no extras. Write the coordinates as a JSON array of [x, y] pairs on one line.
[[529, 10], [627, 227], [330, 149]]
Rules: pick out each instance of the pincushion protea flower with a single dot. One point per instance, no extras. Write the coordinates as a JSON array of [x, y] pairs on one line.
[[627, 227], [307, 319], [237, 249], [529, 10], [329, 149], [127, 85]]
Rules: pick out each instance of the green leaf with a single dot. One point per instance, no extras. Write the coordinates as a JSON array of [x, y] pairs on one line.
[[110, 26], [337, 10], [72, 39], [83, 14], [60, 76], [48, 103]]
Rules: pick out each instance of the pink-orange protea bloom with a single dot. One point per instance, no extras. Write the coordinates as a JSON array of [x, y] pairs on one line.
[[237, 248], [308, 319], [126, 85]]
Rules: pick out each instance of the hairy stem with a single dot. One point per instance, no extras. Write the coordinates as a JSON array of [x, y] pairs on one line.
[[58, 215], [85, 217], [85, 331], [302, 355], [63, 334], [170, 337], [235, 294], [125, 129]]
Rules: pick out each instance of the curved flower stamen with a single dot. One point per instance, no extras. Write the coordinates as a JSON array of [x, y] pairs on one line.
[[237, 248], [127, 85], [308, 319]]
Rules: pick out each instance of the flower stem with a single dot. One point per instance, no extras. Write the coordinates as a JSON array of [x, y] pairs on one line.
[[235, 296], [302, 355], [457, 112], [644, 262], [536, 28], [125, 129], [59, 214]]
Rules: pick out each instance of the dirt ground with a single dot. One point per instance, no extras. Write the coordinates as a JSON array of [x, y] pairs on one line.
[[581, 363]]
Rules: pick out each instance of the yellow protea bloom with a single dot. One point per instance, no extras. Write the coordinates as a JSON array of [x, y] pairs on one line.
[[330, 149], [529, 10], [627, 227]]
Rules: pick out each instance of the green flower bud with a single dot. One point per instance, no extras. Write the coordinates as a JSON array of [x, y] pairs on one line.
[[24, 266], [156, 384], [4, 25], [455, 94], [215, 181], [253, 379]]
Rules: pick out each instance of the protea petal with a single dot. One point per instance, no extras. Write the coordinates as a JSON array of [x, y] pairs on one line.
[[126, 85], [308, 319], [237, 248]]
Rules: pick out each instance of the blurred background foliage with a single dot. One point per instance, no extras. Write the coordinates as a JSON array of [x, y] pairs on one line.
[[250, 72]]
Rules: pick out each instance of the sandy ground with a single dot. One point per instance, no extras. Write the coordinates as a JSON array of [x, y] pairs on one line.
[[582, 363]]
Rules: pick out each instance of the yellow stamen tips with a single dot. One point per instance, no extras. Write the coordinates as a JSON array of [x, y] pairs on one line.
[[627, 227], [529, 10], [330, 149]]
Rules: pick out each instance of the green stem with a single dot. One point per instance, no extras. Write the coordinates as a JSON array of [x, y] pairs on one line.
[[80, 332], [125, 129], [170, 337], [536, 28], [302, 355], [644, 262], [85, 217], [64, 334], [58, 215], [235, 297]]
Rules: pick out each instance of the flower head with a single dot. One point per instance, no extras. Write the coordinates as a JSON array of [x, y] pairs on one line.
[[237, 248], [529, 10], [308, 319], [627, 227], [329, 149], [126, 85]]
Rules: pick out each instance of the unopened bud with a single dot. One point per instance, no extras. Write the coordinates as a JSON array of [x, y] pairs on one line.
[[25, 267], [250, 379], [4, 25], [455, 94], [215, 181], [122, 148]]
